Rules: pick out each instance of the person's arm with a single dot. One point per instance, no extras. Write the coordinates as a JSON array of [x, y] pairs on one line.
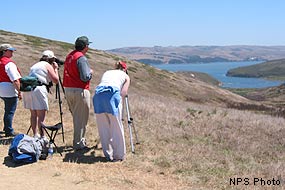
[[53, 72], [14, 76], [84, 69], [16, 84], [125, 87]]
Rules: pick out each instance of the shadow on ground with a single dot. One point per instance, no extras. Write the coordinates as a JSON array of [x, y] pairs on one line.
[[8, 161], [85, 156]]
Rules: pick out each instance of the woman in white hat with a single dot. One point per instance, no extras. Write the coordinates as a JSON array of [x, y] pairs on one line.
[[46, 71]]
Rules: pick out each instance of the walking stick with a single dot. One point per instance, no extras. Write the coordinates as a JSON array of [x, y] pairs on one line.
[[131, 125]]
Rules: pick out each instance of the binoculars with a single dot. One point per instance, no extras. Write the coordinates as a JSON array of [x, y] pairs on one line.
[[59, 62]]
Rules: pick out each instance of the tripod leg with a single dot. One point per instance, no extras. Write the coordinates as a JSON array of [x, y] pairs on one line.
[[60, 108], [131, 119], [29, 130], [129, 124], [135, 131]]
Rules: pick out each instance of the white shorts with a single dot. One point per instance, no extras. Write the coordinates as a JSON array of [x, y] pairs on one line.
[[36, 99]]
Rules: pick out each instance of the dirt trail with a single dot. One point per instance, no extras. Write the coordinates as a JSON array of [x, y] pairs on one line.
[[79, 170]]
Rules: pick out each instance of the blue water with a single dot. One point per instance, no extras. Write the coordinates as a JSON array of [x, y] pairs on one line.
[[218, 70]]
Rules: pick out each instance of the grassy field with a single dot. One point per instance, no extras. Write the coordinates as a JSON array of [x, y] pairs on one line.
[[190, 135], [182, 146]]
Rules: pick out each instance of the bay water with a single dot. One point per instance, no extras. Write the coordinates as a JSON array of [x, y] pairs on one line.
[[218, 70]]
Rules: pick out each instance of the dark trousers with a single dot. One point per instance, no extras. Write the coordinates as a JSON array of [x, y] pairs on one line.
[[10, 108]]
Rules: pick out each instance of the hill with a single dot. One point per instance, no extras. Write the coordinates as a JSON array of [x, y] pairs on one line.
[[190, 135], [145, 78], [274, 69], [198, 54]]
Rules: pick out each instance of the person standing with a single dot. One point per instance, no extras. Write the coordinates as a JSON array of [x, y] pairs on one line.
[[108, 104], [76, 82], [9, 86], [46, 71]]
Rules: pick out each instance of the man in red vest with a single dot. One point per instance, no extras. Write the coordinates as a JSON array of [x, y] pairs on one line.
[[76, 80], [9, 86]]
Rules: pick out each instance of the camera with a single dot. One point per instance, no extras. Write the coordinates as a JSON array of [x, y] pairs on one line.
[[59, 62]]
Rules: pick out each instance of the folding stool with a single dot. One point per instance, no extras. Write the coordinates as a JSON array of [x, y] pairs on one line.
[[53, 132]]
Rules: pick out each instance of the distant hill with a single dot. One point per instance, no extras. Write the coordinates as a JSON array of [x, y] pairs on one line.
[[145, 78], [202, 77], [198, 54], [274, 69]]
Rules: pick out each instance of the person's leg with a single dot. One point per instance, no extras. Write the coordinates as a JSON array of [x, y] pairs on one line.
[[71, 99], [81, 116], [34, 122], [41, 114], [103, 125], [10, 108], [118, 138], [79, 103]]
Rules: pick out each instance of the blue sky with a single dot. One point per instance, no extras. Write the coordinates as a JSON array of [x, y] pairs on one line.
[[123, 23]]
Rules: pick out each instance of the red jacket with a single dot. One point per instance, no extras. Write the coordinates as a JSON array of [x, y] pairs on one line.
[[71, 75], [3, 75]]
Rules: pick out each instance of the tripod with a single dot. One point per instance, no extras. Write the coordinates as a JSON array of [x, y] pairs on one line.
[[131, 125], [57, 96], [54, 128]]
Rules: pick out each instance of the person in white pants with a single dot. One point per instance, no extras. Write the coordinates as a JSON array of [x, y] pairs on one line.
[[108, 104]]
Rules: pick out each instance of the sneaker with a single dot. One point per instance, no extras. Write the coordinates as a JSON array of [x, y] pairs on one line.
[[13, 134], [81, 145], [37, 136], [117, 160], [44, 139]]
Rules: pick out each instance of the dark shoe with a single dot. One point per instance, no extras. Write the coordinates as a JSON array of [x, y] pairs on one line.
[[117, 160], [13, 134]]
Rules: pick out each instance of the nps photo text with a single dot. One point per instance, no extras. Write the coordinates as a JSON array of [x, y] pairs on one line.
[[256, 181]]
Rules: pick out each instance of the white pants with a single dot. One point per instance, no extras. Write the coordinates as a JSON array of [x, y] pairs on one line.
[[111, 131]]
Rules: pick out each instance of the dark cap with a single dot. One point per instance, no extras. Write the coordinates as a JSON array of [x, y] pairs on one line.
[[82, 41]]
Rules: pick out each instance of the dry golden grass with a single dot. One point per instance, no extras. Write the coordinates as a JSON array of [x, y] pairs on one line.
[[182, 146], [188, 139]]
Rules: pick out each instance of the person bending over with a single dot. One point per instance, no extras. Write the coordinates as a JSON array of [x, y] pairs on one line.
[[108, 104]]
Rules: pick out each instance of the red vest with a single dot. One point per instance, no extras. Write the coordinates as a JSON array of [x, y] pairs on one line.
[[71, 76], [3, 75]]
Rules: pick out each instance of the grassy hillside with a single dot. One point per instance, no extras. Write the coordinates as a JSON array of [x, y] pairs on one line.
[[145, 78], [271, 69], [190, 137]]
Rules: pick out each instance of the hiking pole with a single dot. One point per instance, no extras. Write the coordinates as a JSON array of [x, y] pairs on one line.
[[131, 125]]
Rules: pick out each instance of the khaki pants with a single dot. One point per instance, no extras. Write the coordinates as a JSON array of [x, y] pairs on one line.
[[78, 101]]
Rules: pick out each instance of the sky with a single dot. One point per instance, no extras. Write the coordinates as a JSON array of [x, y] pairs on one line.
[[113, 24]]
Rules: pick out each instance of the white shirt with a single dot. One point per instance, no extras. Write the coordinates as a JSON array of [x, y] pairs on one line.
[[40, 71], [7, 89], [114, 78]]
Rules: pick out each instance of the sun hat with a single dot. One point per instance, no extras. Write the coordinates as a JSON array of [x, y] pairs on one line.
[[4, 47], [49, 54]]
